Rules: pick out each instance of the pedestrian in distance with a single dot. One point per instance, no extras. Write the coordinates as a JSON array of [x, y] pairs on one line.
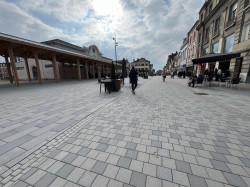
[[133, 79], [164, 76]]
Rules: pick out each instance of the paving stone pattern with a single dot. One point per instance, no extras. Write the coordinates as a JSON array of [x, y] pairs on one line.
[[164, 135]]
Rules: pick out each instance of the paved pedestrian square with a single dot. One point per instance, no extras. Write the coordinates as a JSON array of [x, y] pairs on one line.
[[164, 135]]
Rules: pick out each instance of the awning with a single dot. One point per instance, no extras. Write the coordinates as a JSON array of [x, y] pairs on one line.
[[215, 57]]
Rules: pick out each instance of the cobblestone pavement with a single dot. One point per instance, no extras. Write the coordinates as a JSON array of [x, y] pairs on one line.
[[164, 135], [33, 114]]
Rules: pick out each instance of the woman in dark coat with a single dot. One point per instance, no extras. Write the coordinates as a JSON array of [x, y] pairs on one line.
[[133, 79]]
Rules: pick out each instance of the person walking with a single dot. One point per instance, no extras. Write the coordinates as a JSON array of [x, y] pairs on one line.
[[133, 79], [164, 76]]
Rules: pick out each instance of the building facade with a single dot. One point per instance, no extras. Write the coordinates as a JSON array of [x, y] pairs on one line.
[[223, 29], [3, 72], [192, 45], [142, 65], [183, 53], [171, 62]]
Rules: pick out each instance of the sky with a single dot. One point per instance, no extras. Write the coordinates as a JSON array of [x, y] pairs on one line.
[[152, 29]]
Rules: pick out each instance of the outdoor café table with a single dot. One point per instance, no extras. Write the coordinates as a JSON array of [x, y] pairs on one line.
[[107, 83]]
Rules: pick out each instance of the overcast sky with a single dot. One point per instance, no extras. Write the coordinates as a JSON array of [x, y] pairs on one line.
[[152, 29]]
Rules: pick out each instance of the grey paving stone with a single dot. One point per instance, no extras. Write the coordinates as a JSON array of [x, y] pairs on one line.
[[54, 153], [124, 162], [19, 141], [163, 152], [195, 145], [28, 174], [104, 140], [64, 125], [84, 151], [65, 170], [99, 167], [113, 142], [174, 135], [218, 156], [71, 140], [222, 139], [132, 154], [222, 150], [119, 137], [99, 129], [86, 143], [102, 147], [164, 173], [131, 145], [46, 180], [138, 179], [220, 165], [20, 184], [183, 166], [188, 133], [157, 133], [126, 185], [245, 161], [220, 144], [87, 179], [155, 143], [136, 134], [197, 181], [234, 180], [69, 158]]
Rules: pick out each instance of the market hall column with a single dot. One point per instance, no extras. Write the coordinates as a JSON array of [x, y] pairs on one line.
[[38, 67], [86, 68], [55, 68], [27, 68], [71, 69], [78, 69], [11, 53], [8, 68]]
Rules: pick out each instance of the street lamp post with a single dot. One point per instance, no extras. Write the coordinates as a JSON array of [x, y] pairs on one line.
[[116, 44]]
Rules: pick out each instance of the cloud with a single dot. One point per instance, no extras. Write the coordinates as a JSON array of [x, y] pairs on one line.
[[144, 28]]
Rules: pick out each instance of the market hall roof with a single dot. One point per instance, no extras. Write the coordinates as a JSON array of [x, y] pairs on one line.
[[25, 48], [213, 57]]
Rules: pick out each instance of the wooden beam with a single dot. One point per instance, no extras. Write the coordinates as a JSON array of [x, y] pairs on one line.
[[8, 68], [55, 68], [14, 66], [78, 69], [27, 68], [87, 71], [38, 67]]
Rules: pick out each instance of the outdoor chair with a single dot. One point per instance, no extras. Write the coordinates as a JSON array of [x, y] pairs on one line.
[[234, 81], [199, 81], [222, 81]]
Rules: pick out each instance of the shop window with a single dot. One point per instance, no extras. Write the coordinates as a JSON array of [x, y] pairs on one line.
[[229, 44], [245, 32], [48, 65], [20, 68], [216, 48]]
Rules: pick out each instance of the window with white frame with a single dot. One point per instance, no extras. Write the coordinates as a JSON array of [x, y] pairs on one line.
[[233, 10], [216, 47], [205, 51], [229, 43], [245, 32], [207, 35], [217, 27]]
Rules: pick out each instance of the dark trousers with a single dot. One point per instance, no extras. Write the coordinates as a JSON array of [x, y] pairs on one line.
[[134, 85]]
